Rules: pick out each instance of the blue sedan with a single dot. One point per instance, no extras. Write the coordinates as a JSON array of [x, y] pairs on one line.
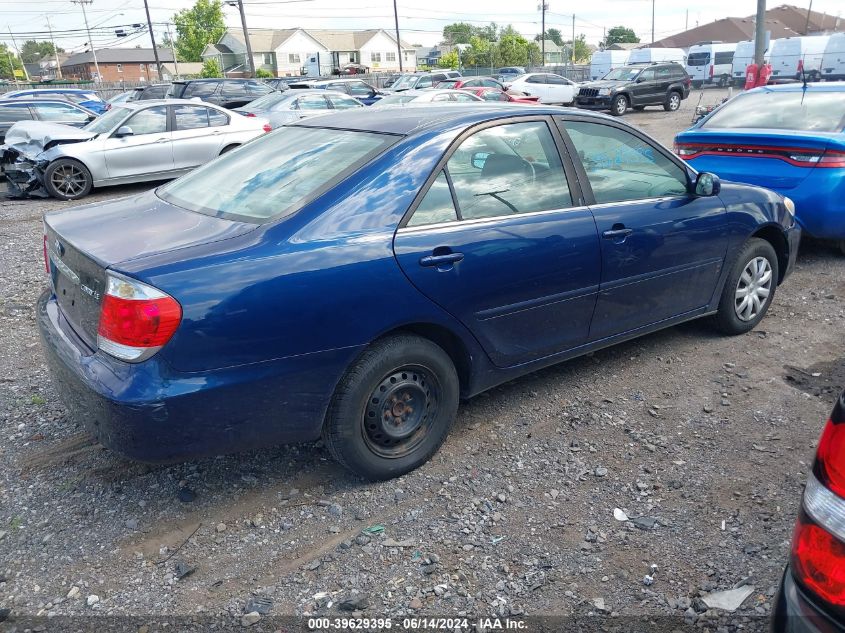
[[789, 138], [354, 275], [86, 98]]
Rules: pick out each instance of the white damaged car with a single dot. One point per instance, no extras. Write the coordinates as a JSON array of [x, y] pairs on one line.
[[132, 142]]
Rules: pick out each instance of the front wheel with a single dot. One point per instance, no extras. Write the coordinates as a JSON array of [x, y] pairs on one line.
[[67, 179], [393, 408], [619, 105], [749, 288], [673, 102]]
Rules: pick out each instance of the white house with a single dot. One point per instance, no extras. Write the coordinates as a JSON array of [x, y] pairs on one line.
[[293, 52]]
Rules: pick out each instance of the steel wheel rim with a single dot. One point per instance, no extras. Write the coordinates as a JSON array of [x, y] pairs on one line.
[[753, 289], [400, 411], [674, 102], [68, 180]]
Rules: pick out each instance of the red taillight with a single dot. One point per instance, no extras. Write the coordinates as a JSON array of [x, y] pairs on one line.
[[712, 72], [832, 159], [830, 458], [46, 256], [267, 127], [683, 150], [818, 561], [135, 319], [251, 114], [687, 81]]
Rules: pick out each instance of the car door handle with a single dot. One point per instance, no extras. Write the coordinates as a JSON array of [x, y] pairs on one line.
[[440, 260], [162, 140], [615, 234]]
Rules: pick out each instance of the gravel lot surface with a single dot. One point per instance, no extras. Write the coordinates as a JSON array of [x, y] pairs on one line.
[[703, 441]]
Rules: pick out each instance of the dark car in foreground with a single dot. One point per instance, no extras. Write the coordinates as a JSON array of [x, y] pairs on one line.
[[811, 598], [354, 275], [636, 86], [790, 138]]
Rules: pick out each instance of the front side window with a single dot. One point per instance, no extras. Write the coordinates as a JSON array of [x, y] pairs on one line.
[[508, 169], [647, 75], [360, 89], [494, 95], [233, 88], [621, 166], [14, 112], [424, 82], [437, 205], [257, 88], [150, 121], [58, 112], [279, 173], [190, 117]]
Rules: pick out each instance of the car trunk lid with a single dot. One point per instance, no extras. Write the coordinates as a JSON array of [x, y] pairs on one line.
[[82, 243]]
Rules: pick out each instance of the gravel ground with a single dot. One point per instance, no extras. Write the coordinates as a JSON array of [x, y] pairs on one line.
[[703, 441]]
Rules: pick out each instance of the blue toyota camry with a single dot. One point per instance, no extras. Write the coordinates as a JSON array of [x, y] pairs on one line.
[[354, 275], [789, 138]]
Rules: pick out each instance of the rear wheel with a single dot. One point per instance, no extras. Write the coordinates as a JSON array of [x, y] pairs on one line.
[[673, 102], [619, 105], [67, 179], [393, 408], [749, 288]]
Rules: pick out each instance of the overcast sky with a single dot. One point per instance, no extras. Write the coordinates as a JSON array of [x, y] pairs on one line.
[[421, 21]]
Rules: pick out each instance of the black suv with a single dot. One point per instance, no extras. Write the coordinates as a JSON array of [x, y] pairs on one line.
[[227, 93], [636, 86]]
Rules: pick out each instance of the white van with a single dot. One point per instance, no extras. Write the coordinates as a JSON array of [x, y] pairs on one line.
[[602, 62], [744, 56], [649, 55], [833, 60], [790, 54], [710, 63]]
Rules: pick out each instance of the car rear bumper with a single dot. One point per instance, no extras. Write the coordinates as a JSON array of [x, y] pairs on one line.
[[147, 412], [794, 611]]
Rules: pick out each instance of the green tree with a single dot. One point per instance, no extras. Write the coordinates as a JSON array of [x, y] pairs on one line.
[[478, 53], [197, 27], [458, 33], [210, 68], [263, 73], [8, 63], [621, 35], [551, 34], [450, 60], [33, 51], [582, 49]]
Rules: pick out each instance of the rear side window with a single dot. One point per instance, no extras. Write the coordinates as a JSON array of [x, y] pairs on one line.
[[190, 117], [620, 166], [233, 88], [154, 92], [279, 174], [342, 102], [12, 113], [217, 118], [437, 205], [726, 57], [200, 89]]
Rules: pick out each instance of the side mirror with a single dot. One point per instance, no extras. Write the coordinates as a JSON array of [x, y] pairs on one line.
[[124, 130], [707, 184], [91, 117], [479, 158], [640, 80]]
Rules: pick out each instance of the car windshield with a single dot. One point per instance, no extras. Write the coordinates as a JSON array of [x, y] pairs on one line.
[[396, 99], [623, 74], [810, 112], [267, 101], [107, 121], [405, 81], [274, 175]]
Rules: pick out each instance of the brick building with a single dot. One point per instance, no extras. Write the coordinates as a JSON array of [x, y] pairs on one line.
[[117, 64]]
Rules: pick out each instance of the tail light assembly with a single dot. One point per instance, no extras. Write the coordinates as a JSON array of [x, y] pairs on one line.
[[818, 543], [267, 128], [136, 319], [796, 156], [712, 71]]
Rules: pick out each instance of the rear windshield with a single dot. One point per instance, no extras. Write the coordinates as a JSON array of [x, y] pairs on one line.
[[274, 175], [698, 59], [813, 111]]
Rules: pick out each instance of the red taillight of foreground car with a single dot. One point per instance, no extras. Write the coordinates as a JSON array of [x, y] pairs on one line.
[[818, 561], [830, 458], [136, 320], [46, 256], [249, 114], [267, 128]]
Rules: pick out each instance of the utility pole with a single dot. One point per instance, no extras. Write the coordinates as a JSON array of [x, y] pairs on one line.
[[82, 3], [760, 34], [543, 7], [573, 44], [172, 50], [55, 50], [398, 41], [18, 51], [652, 21], [686, 22], [246, 39], [153, 39], [809, 11]]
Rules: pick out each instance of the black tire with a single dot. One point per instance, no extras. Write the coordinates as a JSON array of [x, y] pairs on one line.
[[364, 424], [673, 101], [619, 105], [67, 179], [639, 108], [842, 246], [697, 84], [723, 81], [732, 304], [228, 148]]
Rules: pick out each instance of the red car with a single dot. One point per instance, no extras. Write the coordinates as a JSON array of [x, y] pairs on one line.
[[496, 94], [457, 83]]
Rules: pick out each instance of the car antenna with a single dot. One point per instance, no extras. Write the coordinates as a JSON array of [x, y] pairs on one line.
[[804, 82]]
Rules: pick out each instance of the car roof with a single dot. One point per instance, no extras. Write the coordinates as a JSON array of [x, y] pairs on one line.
[[330, 81], [44, 100], [145, 103], [52, 89], [827, 86], [407, 121]]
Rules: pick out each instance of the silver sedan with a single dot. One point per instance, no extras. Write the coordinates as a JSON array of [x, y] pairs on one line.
[[135, 141], [281, 108]]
